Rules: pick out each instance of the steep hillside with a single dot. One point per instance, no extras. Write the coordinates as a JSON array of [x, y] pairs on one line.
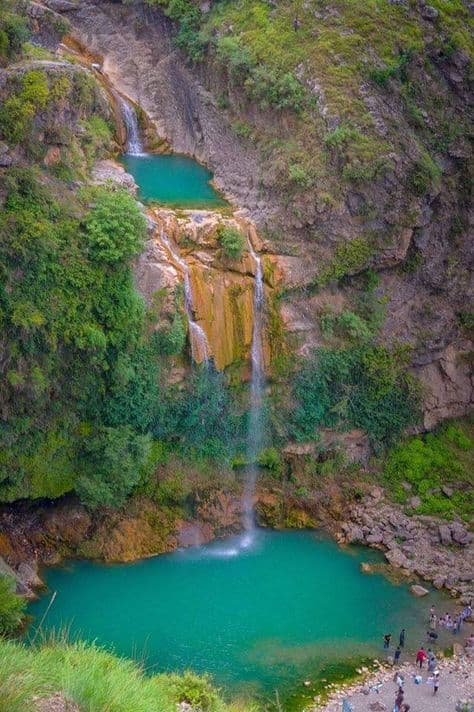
[[344, 129]]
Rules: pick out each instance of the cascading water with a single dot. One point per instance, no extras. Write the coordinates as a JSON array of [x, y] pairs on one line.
[[200, 351], [134, 142], [256, 424]]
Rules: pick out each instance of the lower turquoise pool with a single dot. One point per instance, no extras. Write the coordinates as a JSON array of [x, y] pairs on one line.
[[291, 607]]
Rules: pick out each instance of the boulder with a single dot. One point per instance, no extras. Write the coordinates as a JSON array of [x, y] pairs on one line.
[[444, 534], [428, 12], [397, 558], [447, 491], [418, 590], [459, 533], [28, 574], [414, 502], [378, 706], [439, 581]]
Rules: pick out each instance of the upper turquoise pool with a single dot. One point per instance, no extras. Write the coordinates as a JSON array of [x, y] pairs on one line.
[[172, 180], [292, 607]]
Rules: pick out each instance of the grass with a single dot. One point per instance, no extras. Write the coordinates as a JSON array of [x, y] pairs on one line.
[[97, 680], [420, 466]]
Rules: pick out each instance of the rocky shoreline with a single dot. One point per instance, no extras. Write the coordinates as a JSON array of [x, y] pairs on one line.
[[435, 550], [415, 547], [376, 690]]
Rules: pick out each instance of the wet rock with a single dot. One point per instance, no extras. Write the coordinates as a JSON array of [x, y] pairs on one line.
[[418, 590], [28, 574], [107, 171]]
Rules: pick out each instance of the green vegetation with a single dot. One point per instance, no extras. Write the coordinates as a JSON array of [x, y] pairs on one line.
[[349, 258], [429, 463], [73, 335], [231, 241], [13, 32], [114, 228], [365, 387], [95, 679], [12, 607]]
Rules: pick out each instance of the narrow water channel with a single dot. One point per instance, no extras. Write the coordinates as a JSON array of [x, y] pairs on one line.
[[292, 607]]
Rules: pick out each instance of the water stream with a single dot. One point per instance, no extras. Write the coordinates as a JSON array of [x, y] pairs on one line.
[[200, 351], [256, 424], [134, 142]]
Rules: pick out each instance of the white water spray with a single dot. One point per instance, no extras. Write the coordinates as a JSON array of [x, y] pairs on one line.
[[256, 425], [200, 351], [134, 142]]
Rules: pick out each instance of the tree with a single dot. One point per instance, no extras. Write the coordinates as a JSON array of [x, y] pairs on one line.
[[115, 228]]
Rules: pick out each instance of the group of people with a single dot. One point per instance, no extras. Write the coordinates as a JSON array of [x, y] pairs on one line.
[[454, 624]]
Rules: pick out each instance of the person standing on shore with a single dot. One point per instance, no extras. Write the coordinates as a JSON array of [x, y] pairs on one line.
[[436, 682], [386, 640], [401, 640], [420, 657], [398, 652]]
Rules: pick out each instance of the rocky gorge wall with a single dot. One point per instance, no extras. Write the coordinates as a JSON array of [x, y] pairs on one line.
[[420, 246]]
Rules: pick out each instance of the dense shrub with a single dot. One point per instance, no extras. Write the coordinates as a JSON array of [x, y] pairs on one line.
[[366, 387], [12, 607], [115, 228], [231, 241], [430, 462], [425, 175], [13, 32], [349, 257]]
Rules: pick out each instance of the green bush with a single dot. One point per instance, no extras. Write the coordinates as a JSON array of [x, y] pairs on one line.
[[113, 458], [14, 32], [231, 241], [366, 387], [425, 175], [349, 257], [428, 463], [115, 228], [270, 459], [12, 607]]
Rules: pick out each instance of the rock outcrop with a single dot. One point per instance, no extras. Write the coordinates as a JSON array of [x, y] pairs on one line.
[[439, 552]]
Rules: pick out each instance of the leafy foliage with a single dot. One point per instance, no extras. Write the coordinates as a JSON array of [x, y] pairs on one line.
[[13, 32], [232, 242], [365, 386], [428, 463], [72, 343], [115, 228], [12, 607]]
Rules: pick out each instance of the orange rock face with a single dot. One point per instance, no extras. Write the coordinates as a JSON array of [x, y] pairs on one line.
[[222, 287]]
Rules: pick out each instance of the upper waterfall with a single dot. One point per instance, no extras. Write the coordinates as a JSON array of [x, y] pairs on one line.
[[134, 143]]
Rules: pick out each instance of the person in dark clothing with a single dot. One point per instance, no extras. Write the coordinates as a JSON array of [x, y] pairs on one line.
[[296, 24], [399, 699], [398, 652], [432, 636], [401, 641], [386, 640]]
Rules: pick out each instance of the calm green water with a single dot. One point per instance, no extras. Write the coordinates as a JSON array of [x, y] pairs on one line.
[[173, 180], [292, 607]]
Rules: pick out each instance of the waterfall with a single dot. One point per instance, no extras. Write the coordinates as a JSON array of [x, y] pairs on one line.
[[134, 142], [200, 351], [256, 424]]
